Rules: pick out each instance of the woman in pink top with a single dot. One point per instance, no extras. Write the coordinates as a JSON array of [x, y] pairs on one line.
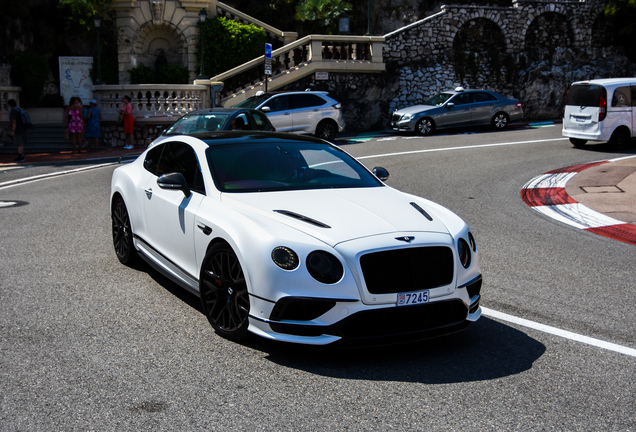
[[75, 120]]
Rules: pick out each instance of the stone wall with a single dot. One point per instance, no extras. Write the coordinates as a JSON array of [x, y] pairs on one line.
[[531, 51]]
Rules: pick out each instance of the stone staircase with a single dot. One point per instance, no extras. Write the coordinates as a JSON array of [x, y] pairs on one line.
[[40, 139]]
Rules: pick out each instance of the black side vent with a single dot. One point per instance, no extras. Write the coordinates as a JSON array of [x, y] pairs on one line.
[[421, 210], [303, 218]]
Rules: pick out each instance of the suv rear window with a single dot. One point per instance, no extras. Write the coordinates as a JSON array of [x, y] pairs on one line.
[[585, 95]]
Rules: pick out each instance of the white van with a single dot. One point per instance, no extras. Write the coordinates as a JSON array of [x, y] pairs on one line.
[[601, 110]]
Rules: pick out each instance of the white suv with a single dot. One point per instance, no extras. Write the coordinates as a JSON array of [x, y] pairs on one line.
[[308, 112], [601, 110]]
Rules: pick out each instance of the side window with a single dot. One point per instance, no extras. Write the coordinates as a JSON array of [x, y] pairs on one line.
[[633, 95], [240, 122], [483, 97], [260, 121], [180, 157], [621, 97], [151, 163], [279, 103], [461, 99], [306, 101]]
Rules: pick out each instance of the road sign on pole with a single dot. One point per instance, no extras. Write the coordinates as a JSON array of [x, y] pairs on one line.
[[268, 59]]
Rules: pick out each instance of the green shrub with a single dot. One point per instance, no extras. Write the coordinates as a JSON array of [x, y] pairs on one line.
[[142, 74], [228, 44]]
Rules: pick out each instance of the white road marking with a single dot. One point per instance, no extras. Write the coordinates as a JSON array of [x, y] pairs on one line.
[[460, 148], [559, 332], [17, 182]]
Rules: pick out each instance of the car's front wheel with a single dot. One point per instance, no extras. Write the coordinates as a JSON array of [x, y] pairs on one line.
[[122, 233], [425, 126], [500, 120], [327, 130], [223, 290]]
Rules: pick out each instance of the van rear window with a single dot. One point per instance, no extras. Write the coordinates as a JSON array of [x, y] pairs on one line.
[[585, 95]]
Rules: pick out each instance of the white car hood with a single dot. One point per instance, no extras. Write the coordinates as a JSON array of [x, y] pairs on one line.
[[348, 213]]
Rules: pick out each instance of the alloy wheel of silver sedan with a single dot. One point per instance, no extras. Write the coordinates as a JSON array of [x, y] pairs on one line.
[[224, 293], [500, 120], [425, 126]]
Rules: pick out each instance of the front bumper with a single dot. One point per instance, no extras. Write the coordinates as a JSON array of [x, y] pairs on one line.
[[353, 323]]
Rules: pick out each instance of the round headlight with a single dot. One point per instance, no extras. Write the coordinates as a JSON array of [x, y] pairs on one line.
[[285, 258], [324, 267], [471, 239], [464, 252]]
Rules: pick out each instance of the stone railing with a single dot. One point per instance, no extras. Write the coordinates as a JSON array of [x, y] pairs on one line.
[[310, 54], [155, 107], [275, 36]]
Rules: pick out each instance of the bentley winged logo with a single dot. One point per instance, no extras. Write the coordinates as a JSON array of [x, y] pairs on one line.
[[407, 239]]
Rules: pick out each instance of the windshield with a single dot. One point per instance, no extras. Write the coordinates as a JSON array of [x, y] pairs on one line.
[[281, 166], [252, 102], [438, 99]]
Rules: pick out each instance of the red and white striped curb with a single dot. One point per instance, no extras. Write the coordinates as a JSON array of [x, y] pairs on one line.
[[546, 194]]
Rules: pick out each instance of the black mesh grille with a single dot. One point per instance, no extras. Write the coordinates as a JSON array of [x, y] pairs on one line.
[[396, 117], [390, 325], [410, 269]]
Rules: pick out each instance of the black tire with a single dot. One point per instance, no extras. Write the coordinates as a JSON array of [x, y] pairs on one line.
[[123, 234], [425, 126], [224, 295], [577, 142], [327, 130], [500, 121], [620, 139]]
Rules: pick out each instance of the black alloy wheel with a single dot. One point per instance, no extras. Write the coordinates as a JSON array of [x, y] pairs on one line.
[[425, 126], [326, 130], [122, 234], [620, 139], [500, 120], [224, 295]]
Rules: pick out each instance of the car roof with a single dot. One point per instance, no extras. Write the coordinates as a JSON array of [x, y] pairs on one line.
[[270, 94], [252, 137], [218, 110], [608, 81]]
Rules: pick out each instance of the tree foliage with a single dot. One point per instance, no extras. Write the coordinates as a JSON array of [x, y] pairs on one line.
[[324, 13], [622, 15], [228, 44]]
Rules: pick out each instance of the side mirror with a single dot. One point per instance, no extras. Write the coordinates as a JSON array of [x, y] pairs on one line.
[[450, 105], [381, 173], [266, 109], [174, 181]]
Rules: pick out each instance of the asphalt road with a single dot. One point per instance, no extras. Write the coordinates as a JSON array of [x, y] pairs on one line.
[[88, 344]]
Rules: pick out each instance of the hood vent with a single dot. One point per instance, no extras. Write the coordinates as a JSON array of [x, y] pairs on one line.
[[302, 218], [421, 210]]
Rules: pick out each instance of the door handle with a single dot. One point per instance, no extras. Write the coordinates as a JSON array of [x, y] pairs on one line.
[[148, 193]]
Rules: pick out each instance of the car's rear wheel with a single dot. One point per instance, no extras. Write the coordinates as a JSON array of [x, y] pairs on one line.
[[122, 233], [620, 139], [425, 126], [327, 130], [500, 120], [224, 293], [577, 142]]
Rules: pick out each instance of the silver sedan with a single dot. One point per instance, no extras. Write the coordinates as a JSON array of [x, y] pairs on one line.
[[455, 108]]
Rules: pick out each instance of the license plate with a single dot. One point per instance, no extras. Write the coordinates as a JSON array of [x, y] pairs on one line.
[[412, 298]]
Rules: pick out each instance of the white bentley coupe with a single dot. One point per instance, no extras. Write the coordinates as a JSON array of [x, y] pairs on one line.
[[292, 239]]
